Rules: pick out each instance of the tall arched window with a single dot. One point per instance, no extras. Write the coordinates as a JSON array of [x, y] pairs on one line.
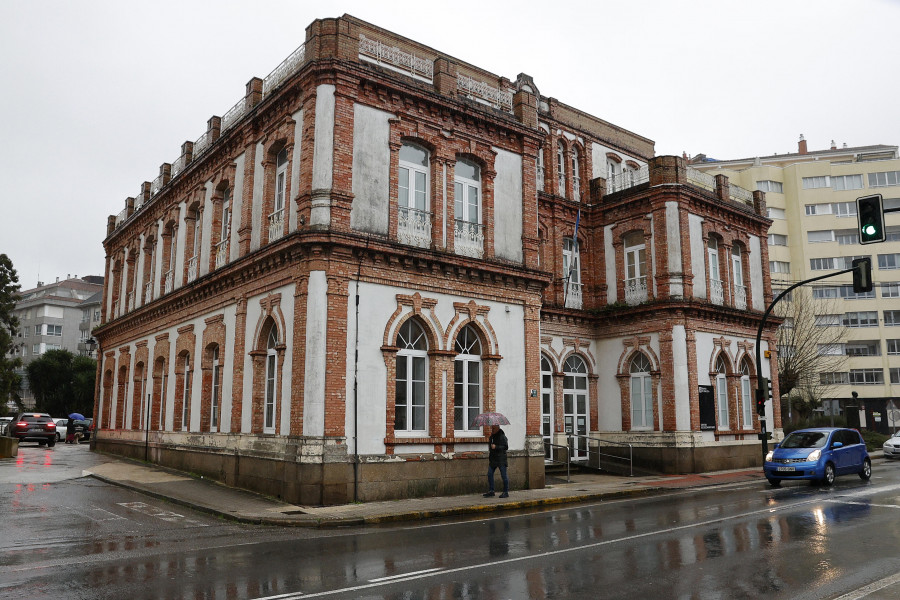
[[216, 387], [716, 294], [722, 394], [540, 170], [469, 234], [276, 219], [576, 177], [271, 381], [561, 168], [635, 268], [194, 260], [613, 168], [411, 398], [466, 378], [575, 404], [225, 235], [186, 394], [746, 395], [737, 270], [571, 273], [547, 408], [641, 393], [413, 217]]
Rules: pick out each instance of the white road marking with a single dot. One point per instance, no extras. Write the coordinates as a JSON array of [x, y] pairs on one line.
[[165, 515], [404, 575], [871, 588]]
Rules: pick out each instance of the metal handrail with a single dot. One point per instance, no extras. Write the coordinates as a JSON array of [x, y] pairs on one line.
[[596, 442], [567, 462]]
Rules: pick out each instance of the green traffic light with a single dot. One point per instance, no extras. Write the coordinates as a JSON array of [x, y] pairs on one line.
[[870, 230]]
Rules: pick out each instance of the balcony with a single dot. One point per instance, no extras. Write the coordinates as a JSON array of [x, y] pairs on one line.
[[414, 227], [716, 293], [192, 268], [468, 239], [222, 253], [635, 290], [276, 225], [573, 295], [148, 291], [130, 302], [170, 281], [740, 297]]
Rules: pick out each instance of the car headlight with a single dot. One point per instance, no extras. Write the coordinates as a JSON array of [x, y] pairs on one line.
[[770, 455], [814, 455]]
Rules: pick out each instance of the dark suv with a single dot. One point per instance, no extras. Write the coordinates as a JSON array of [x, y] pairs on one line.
[[33, 427]]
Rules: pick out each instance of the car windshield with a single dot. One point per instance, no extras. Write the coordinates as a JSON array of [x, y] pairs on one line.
[[805, 439]]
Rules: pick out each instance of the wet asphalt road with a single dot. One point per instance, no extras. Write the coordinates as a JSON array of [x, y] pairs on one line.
[[66, 536]]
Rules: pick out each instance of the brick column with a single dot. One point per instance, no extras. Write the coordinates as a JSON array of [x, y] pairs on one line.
[[237, 391]]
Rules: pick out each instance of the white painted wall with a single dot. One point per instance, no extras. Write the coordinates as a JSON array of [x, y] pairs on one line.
[[316, 346], [295, 170], [698, 255], [257, 219], [508, 205], [598, 159], [206, 231], [681, 369], [673, 239], [756, 274], [323, 156], [371, 170], [610, 253], [237, 203]]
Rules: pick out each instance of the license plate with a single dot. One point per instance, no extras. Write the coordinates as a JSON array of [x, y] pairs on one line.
[[786, 469]]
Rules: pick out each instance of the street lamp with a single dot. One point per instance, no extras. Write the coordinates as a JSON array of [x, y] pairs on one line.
[[91, 344]]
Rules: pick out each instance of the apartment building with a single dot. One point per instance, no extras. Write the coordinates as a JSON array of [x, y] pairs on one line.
[[811, 199], [56, 316], [379, 241]]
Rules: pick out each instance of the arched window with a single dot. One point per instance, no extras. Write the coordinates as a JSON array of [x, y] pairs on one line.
[[186, 394], [469, 235], [641, 393], [575, 405], [467, 378], [571, 273], [635, 268], [613, 168], [216, 387], [194, 260], [169, 283], [737, 270], [721, 394], [413, 217], [561, 168], [746, 411], [547, 408], [225, 233], [576, 177], [276, 219], [271, 380], [716, 294], [411, 398], [540, 170]]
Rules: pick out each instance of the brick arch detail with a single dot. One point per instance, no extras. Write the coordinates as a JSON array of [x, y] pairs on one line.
[[213, 336], [185, 346], [633, 347], [160, 368], [140, 378]]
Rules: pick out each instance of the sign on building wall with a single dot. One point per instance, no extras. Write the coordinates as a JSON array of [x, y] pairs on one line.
[[707, 408]]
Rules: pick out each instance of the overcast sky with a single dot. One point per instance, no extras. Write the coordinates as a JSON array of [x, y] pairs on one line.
[[98, 94]]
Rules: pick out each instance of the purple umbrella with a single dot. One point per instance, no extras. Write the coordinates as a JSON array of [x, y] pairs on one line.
[[489, 418]]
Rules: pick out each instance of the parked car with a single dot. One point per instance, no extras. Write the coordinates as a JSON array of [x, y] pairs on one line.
[[892, 446], [33, 427], [4, 421], [819, 454], [85, 427], [61, 429]]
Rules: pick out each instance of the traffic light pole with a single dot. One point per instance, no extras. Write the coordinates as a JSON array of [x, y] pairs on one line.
[[760, 380]]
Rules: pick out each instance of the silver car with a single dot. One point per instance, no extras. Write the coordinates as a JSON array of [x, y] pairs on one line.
[[892, 446], [61, 429], [4, 422]]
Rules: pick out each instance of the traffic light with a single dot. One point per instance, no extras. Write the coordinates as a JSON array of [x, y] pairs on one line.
[[862, 275], [762, 394], [870, 214]]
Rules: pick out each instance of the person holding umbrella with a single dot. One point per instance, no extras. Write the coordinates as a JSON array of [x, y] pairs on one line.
[[497, 446]]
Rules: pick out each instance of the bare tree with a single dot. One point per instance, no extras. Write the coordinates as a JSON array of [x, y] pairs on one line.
[[810, 350]]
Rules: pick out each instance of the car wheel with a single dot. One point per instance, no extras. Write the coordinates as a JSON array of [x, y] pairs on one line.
[[828, 479], [866, 470], [57, 436], [51, 443], [774, 482]]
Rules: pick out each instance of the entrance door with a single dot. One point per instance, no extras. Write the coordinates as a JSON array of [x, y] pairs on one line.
[[547, 407], [575, 403]]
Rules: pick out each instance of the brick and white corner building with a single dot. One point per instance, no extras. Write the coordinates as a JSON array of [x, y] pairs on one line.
[[378, 242]]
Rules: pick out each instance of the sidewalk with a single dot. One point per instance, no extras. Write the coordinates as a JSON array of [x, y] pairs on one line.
[[243, 506]]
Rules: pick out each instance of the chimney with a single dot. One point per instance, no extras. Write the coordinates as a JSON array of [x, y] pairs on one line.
[[801, 145], [833, 145]]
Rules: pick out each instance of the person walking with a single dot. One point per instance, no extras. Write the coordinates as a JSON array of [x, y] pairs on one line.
[[497, 446]]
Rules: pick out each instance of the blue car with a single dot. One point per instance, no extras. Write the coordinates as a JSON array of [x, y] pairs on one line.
[[819, 454]]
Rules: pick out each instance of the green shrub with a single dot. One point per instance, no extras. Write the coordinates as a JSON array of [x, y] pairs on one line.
[[874, 440]]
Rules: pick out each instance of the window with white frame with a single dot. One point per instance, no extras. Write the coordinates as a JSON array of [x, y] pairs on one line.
[[413, 181], [788, 323], [271, 381], [834, 378], [767, 185], [613, 168], [831, 349], [823, 235], [863, 348], [828, 320], [216, 389], [560, 168], [821, 264], [847, 293], [818, 209], [890, 289], [38, 330], [866, 376], [576, 174], [884, 178], [540, 170], [635, 267], [737, 274], [846, 182], [54, 330], [779, 266], [778, 239], [721, 394], [891, 317], [411, 396], [746, 410], [893, 346], [775, 213], [281, 164], [186, 394], [469, 237], [846, 237], [867, 318], [641, 393], [713, 254], [811, 183], [226, 214], [825, 292], [466, 378], [575, 404], [844, 209], [572, 272], [786, 350], [895, 374], [889, 261]]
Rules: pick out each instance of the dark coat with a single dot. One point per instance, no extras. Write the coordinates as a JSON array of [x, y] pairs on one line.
[[497, 456]]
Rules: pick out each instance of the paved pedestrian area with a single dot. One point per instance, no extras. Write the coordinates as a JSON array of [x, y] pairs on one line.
[[240, 505]]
